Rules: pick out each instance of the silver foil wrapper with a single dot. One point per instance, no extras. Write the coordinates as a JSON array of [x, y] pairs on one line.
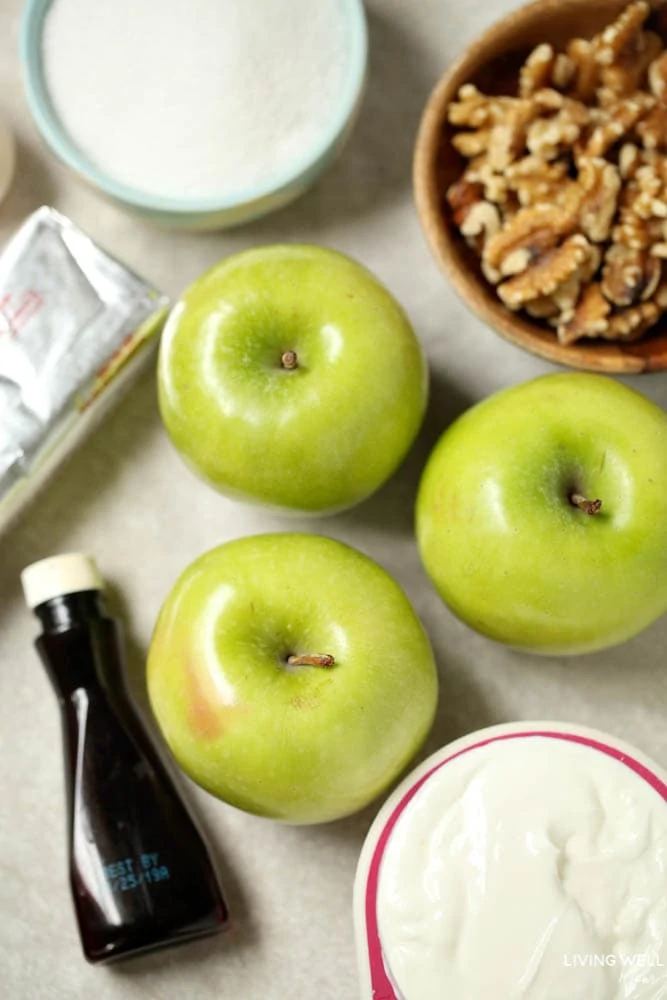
[[71, 318]]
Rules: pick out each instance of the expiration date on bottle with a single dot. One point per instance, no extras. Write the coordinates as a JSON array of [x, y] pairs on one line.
[[129, 873]]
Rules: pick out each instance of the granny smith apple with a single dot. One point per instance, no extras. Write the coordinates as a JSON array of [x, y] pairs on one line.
[[290, 676], [289, 376], [542, 514]]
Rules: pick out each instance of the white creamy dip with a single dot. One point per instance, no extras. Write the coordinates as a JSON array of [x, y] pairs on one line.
[[527, 869]]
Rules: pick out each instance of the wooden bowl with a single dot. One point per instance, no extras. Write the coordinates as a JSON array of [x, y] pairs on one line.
[[493, 63]]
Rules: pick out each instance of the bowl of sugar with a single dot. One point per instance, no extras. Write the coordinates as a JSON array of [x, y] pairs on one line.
[[200, 115]]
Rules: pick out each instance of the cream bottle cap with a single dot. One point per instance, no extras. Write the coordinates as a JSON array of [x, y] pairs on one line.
[[59, 575]]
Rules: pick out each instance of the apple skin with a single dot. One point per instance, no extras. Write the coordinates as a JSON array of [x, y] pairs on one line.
[[507, 550], [315, 439], [303, 744]]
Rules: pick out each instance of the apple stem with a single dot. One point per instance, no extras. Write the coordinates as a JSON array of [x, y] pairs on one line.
[[311, 660], [289, 360], [588, 506]]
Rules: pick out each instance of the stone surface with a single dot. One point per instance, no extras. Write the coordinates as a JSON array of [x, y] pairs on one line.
[[126, 498]]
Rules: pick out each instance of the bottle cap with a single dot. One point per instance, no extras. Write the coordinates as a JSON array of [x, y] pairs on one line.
[[59, 575]]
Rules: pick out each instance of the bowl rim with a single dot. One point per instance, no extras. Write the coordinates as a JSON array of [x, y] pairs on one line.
[[597, 355], [64, 147]]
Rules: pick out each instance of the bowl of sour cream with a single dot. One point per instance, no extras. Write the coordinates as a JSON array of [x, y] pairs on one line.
[[198, 114], [522, 862]]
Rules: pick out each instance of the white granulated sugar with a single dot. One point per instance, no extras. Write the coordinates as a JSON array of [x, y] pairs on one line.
[[195, 98]]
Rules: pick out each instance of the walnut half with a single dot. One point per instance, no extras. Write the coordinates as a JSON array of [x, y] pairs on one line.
[[630, 276], [534, 230], [590, 318], [548, 274]]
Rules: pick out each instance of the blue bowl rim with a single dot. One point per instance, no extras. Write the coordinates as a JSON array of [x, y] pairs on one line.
[[30, 48]]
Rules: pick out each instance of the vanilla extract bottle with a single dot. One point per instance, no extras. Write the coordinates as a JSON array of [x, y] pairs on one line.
[[140, 873]]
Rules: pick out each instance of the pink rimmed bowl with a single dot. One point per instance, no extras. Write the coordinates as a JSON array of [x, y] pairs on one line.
[[374, 974]]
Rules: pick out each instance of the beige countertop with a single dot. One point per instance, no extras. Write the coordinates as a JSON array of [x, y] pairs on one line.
[[126, 498]]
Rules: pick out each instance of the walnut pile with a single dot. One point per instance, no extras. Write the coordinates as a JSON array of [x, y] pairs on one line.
[[564, 197]]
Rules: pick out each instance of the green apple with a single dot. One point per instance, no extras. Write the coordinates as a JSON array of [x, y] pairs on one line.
[[290, 676], [542, 514], [289, 376]]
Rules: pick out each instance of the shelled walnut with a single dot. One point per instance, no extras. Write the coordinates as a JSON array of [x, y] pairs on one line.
[[564, 195]]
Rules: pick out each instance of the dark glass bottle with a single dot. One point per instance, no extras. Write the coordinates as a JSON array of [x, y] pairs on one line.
[[140, 873]]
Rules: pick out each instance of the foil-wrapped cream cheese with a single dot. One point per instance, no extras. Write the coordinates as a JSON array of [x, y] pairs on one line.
[[74, 326]]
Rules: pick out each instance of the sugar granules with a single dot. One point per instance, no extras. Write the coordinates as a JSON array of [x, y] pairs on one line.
[[195, 98]]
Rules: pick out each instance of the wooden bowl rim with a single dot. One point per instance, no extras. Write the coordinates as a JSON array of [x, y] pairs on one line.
[[597, 356]]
